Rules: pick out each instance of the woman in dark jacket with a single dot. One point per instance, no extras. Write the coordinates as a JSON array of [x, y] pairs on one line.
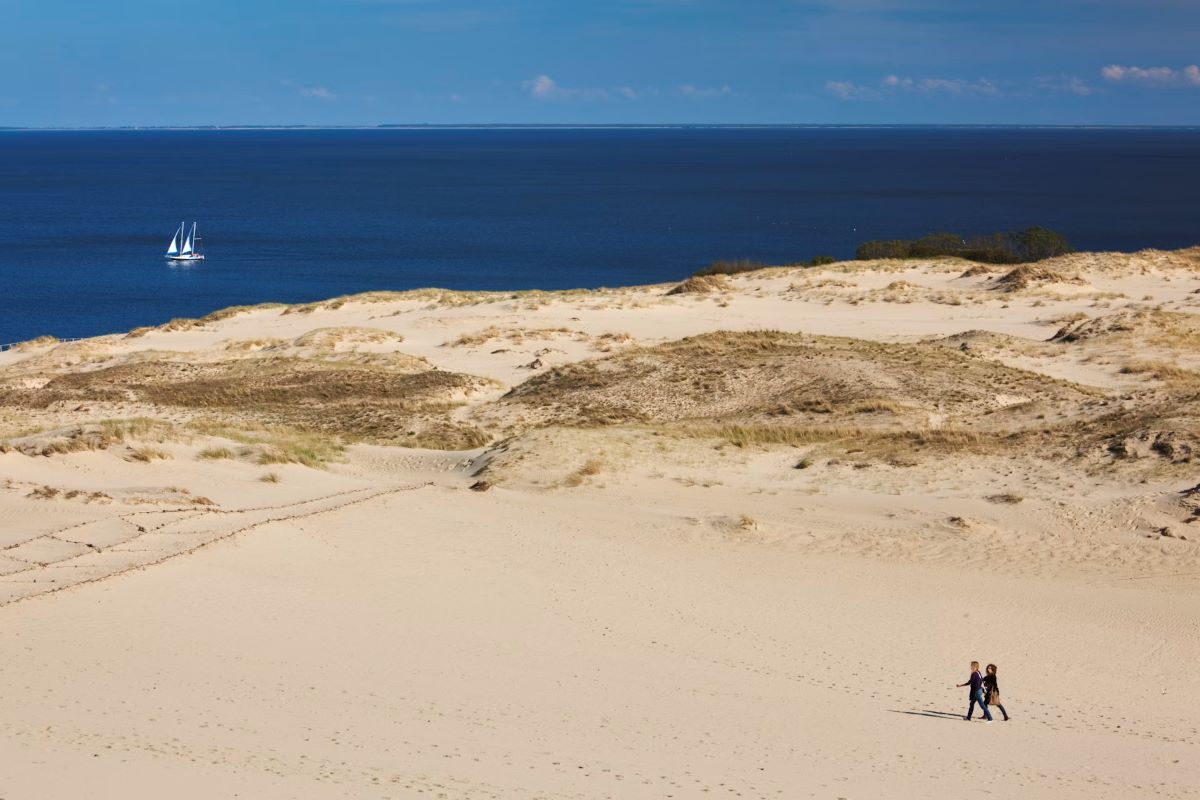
[[991, 690]]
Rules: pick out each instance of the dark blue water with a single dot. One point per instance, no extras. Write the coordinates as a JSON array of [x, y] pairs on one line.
[[302, 215]]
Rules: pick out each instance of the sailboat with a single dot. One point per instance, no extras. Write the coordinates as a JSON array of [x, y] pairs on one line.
[[185, 249]]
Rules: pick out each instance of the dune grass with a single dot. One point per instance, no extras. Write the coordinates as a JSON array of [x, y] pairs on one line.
[[278, 445], [146, 454], [1162, 371], [591, 467], [750, 435]]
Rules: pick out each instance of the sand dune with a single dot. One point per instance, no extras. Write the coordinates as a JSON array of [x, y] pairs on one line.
[[736, 540]]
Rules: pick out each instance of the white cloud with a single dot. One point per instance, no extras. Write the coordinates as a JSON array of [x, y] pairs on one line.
[[701, 93], [891, 84], [543, 87], [946, 85], [896, 82], [1152, 76], [319, 92], [850, 91], [1071, 84]]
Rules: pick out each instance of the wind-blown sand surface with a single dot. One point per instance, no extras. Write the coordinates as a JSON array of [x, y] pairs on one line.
[[736, 541]]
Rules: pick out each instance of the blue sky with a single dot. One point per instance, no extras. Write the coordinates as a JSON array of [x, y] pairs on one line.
[[162, 62]]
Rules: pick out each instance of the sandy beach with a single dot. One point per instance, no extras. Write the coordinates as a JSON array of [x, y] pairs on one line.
[[739, 537]]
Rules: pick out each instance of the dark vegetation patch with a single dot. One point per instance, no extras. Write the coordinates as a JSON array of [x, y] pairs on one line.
[[359, 402], [1015, 247], [792, 380], [736, 266]]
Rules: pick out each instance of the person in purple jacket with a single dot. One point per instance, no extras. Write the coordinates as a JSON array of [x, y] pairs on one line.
[[976, 695]]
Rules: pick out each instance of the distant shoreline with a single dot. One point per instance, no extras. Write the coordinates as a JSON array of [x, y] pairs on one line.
[[533, 126]]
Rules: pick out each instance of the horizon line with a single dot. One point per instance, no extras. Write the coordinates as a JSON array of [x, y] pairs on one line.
[[588, 126]]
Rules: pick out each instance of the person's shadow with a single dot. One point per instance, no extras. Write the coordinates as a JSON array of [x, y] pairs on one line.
[[932, 714]]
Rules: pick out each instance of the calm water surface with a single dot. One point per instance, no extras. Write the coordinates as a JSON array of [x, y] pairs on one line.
[[307, 214]]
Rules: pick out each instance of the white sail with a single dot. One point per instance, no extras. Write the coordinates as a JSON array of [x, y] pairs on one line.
[[187, 245], [174, 248]]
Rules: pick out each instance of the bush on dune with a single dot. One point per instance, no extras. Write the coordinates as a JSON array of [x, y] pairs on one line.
[[1015, 247]]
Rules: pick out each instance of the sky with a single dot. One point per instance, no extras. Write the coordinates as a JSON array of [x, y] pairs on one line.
[[369, 62]]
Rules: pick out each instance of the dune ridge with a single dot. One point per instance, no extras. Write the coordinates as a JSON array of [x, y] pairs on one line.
[[734, 535]]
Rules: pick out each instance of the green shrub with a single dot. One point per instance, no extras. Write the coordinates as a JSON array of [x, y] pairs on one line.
[[894, 248], [731, 267], [1016, 247]]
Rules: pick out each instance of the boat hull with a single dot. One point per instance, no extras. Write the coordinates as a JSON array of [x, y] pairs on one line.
[[193, 257]]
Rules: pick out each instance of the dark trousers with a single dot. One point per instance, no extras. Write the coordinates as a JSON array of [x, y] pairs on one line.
[[1002, 711], [977, 697]]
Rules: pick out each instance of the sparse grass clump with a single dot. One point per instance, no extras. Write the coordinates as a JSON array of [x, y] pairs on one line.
[[731, 267], [253, 344], [119, 430], [884, 443], [278, 445], [1007, 498], [447, 436], [877, 404], [269, 477], [294, 453], [591, 467], [767, 435], [700, 284], [215, 453], [146, 454], [90, 436], [40, 341], [1162, 371]]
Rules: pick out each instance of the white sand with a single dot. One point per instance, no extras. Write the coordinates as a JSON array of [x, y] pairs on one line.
[[376, 630]]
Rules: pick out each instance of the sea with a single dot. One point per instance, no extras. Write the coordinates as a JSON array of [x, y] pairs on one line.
[[303, 214]]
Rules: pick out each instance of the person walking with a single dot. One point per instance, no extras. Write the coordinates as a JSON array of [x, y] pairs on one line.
[[991, 691], [976, 693]]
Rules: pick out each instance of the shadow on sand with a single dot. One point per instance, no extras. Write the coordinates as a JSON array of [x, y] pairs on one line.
[[933, 714]]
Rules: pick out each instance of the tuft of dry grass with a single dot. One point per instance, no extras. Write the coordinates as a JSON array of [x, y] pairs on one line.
[[269, 477], [701, 284], [40, 341], [591, 467], [884, 443], [43, 493], [278, 445], [1162, 371], [244, 345], [215, 453], [447, 436], [1007, 498], [146, 454], [90, 436], [1030, 275], [514, 335], [141, 428], [877, 404]]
